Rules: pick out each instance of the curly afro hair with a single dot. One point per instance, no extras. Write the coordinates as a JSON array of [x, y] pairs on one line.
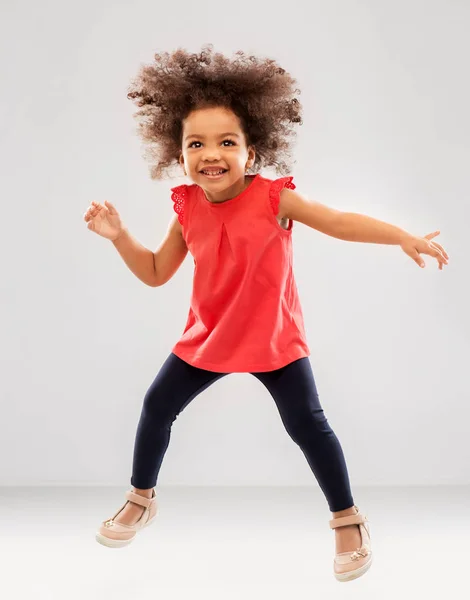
[[258, 91]]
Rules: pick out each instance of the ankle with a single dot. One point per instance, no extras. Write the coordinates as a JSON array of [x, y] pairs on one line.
[[145, 493], [345, 513]]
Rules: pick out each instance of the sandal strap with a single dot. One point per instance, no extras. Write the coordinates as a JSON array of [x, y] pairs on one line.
[[356, 519], [138, 499]]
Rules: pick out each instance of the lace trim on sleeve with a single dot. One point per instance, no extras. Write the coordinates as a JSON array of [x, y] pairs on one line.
[[275, 190], [179, 196]]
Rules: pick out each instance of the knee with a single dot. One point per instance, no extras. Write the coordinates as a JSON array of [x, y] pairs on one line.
[[309, 425], [155, 408]]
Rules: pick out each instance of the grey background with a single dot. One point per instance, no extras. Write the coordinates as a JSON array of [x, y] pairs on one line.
[[386, 133]]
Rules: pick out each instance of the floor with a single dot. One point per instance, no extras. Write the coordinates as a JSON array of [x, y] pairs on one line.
[[231, 544]]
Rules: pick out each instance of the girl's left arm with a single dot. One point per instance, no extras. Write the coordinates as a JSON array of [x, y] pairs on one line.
[[354, 227]]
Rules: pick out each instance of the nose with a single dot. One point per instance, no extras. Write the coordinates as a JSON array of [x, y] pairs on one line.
[[211, 154]]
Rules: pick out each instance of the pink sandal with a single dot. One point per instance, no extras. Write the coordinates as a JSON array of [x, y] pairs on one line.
[[115, 535], [351, 565]]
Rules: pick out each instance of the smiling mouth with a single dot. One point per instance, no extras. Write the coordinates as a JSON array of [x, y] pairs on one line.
[[214, 174]]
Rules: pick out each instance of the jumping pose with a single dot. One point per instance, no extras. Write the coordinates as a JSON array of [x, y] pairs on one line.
[[220, 121]]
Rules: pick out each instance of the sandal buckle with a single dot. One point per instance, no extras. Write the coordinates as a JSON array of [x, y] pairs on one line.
[[357, 554]]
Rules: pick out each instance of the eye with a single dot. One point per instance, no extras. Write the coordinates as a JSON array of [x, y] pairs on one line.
[[226, 140]]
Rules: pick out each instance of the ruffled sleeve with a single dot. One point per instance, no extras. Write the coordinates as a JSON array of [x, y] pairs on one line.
[[275, 190], [179, 196]]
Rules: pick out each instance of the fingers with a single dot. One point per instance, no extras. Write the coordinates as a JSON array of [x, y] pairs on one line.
[[432, 252], [439, 252], [416, 257], [439, 255], [440, 259], [444, 253], [110, 207], [93, 210]]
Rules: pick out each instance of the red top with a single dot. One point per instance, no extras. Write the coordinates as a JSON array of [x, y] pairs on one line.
[[245, 314]]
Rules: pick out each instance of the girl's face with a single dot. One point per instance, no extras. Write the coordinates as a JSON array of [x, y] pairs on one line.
[[212, 137]]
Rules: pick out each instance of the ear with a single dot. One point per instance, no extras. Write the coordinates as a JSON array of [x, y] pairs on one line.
[[251, 157], [181, 162]]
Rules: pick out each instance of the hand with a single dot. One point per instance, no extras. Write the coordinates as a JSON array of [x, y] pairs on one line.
[[413, 246], [104, 220]]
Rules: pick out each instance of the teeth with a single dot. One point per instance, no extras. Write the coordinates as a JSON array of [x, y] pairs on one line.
[[212, 172]]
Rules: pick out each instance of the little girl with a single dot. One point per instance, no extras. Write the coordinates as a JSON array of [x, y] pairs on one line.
[[221, 120]]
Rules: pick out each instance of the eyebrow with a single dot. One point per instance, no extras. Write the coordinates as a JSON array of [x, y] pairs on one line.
[[221, 135]]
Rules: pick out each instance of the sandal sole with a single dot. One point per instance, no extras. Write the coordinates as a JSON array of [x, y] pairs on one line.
[[113, 543], [354, 574]]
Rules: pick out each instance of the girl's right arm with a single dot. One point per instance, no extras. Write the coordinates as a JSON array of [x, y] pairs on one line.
[[153, 268], [169, 256]]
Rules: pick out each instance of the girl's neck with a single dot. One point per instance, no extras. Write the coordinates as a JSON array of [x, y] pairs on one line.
[[231, 192]]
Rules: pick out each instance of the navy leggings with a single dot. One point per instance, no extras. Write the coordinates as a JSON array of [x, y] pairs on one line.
[[292, 388]]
